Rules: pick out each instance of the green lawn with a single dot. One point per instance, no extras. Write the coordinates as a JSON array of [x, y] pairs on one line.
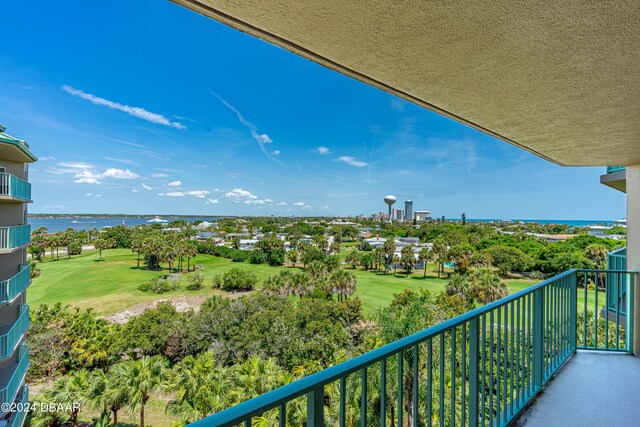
[[111, 285]]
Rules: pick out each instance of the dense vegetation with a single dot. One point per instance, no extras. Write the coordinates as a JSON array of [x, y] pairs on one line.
[[286, 325]]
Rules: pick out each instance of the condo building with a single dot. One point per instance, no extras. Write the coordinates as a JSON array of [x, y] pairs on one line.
[[15, 275]]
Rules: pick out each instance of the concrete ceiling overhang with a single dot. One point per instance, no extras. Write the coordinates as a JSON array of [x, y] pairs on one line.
[[559, 79]]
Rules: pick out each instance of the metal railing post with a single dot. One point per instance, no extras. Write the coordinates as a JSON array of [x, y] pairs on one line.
[[630, 304], [474, 360], [315, 407], [573, 311], [538, 338]]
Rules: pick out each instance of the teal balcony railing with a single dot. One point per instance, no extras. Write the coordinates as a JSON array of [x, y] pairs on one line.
[[9, 289], [612, 169], [480, 368], [12, 237], [12, 186], [13, 336], [17, 419], [8, 393], [617, 260]]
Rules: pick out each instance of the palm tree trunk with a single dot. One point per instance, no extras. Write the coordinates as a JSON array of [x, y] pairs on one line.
[[100, 254], [138, 266], [188, 263], [425, 270], [115, 416], [142, 416]]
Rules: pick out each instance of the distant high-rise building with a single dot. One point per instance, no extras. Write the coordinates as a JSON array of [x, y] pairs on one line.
[[408, 210], [397, 214], [422, 215]]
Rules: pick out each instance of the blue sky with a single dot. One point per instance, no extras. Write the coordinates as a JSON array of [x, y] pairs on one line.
[[146, 107]]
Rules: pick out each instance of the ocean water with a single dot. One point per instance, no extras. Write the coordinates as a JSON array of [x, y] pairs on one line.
[[60, 224], [571, 222]]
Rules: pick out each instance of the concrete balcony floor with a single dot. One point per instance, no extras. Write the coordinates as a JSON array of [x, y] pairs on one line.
[[592, 389]]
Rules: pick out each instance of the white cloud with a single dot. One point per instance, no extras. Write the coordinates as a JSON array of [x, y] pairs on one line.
[[137, 112], [299, 204], [351, 161], [135, 191], [265, 138], [46, 158], [145, 186], [212, 201], [89, 194], [259, 201], [200, 194], [234, 175], [86, 177], [218, 190], [98, 195], [276, 152], [76, 165], [119, 174], [159, 175], [175, 184], [261, 138], [282, 204], [238, 194], [125, 161], [86, 181], [85, 173], [323, 150]]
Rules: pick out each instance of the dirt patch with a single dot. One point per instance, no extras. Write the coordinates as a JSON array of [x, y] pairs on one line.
[[182, 304]]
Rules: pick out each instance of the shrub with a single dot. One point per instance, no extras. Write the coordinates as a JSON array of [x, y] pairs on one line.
[[157, 285], [257, 257], [174, 280], [236, 279], [238, 256], [195, 280], [75, 248]]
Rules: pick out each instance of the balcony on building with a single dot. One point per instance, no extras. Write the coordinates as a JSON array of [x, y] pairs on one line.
[[12, 375], [14, 189], [14, 237], [615, 177]]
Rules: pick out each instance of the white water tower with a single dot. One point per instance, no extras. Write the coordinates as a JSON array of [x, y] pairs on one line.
[[390, 200]]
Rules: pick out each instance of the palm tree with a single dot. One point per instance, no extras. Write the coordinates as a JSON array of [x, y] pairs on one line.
[[293, 257], [388, 249], [395, 260], [316, 269], [440, 248], [408, 258], [597, 253], [191, 251], [353, 257], [139, 379], [137, 244], [425, 255], [104, 243], [302, 284], [104, 393], [72, 389], [200, 386], [487, 286], [343, 282]]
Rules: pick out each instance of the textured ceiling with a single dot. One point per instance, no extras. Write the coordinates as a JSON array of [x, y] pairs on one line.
[[557, 78]]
